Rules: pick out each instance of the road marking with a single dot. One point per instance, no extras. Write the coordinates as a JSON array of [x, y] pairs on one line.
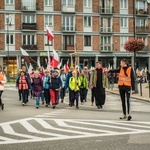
[[79, 128]]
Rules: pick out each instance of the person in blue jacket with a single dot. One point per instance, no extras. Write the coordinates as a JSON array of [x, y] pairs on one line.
[[46, 84]]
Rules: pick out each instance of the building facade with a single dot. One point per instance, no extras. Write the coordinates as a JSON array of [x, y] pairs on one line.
[[96, 29]]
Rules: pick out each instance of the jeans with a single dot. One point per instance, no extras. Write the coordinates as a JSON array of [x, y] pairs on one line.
[[24, 95], [75, 96], [37, 101]]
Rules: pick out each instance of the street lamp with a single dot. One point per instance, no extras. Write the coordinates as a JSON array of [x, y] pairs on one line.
[[134, 33], [8, 20]]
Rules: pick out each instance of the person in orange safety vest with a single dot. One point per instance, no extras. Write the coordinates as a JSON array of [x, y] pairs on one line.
[[126, 83]]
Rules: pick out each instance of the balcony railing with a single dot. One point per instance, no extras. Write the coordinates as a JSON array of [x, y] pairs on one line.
[[106, 29], [29, 47], [106, 47], [142, 30], [28, 6], [29, 26], [68, 9], [106, 10], [68, 29], [141, 12]]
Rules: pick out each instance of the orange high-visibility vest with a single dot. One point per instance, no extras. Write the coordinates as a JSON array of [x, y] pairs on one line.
[[2, 78], [123, 79]]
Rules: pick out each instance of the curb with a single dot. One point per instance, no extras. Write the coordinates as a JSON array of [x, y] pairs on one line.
[[137, 98]]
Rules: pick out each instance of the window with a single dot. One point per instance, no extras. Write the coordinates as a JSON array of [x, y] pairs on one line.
[[68, 2], [28, 39], [48, 2], [87, 40], [9, 19], [28, 18], [144, 39], [47, 42], [123, 4], [106, 25], [87, 21], [48, 20], [123, 39], [10, 39], [124, 22], [140, 22], [68, 23], [140, 5], [9, 1], [106, 43], [87, 3], [68, 41]]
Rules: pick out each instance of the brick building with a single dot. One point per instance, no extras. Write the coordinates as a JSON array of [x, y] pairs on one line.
[[97, 29]]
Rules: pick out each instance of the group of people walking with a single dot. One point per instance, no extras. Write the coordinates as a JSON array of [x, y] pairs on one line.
[[51, 85]]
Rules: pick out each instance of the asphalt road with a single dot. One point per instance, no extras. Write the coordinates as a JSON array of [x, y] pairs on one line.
[[66, 128]]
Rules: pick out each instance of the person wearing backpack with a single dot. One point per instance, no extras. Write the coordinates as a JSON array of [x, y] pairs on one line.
[[3, 80]]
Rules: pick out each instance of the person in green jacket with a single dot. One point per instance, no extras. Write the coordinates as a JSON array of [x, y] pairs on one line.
[[83, 87], [74, 84]]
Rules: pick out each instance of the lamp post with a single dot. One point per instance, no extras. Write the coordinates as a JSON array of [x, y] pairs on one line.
[[134, 34], [8, 40]]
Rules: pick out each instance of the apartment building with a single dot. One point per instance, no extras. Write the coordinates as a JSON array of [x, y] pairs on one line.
[[97, 29]]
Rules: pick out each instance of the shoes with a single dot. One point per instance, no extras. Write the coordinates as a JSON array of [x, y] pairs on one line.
[[99, 107], [42, 102], [92, 104], [62, 101], [129, 118], [2, 106], [54, 106], [37, 107], [77, 107], [23, 104], [124, 117], [46, 105]]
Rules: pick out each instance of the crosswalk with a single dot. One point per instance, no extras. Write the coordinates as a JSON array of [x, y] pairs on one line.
[[46, 128]]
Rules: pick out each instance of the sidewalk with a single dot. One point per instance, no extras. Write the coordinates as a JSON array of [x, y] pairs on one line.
[[145, 92]]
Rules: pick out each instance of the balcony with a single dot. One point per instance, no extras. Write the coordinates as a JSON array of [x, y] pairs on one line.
[[29, 47], [68, 9], [29, 5], [106, 29], [29, 27], [106, 10], [68, 47], [141, 12], [68, 29], [145, 30]]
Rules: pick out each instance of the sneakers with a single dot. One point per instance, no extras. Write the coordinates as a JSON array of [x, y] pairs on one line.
[[54, 106], [77, 107], [2, 106], [129, 118], [23, 104], [124, 117]]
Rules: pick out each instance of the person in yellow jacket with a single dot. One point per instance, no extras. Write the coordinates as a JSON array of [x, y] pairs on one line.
[[3, 80], [74, 84]]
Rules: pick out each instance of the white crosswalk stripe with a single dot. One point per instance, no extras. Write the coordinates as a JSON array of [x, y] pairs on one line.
[[59, 129]]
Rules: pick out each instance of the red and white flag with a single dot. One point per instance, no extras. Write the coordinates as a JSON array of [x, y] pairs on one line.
[[50, 35], [66, 66], [55, 60]]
